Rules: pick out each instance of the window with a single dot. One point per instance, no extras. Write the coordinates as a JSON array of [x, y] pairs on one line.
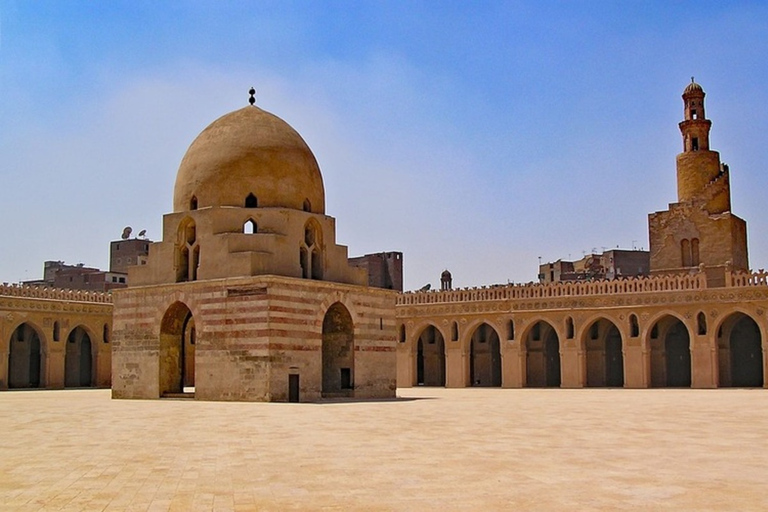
[[634, 327], [569, 328], [250, 227], [510, 330], [105, 334], [701, 320], [402, 333], [251, 201], [695, 144], [193, 203], [56, 331], [307, 205]]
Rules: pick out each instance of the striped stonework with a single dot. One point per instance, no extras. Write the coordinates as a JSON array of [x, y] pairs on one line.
[[250, 335]]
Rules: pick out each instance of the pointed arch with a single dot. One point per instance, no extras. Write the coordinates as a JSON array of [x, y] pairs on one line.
[[25, 358], [670, 353], [485, 357], [174, 348], [604, 351], [740, 352], [79, 359], [542, 356], [338, 352], [430, 357], [251, 201]]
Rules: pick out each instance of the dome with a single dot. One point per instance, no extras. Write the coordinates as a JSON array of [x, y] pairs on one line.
[[249, 155], [693, 87]]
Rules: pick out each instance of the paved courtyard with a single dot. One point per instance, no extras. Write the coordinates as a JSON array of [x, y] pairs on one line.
[[432, 449]]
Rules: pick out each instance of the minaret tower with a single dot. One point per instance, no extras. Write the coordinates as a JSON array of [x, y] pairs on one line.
[[699, 231], [699, 173]]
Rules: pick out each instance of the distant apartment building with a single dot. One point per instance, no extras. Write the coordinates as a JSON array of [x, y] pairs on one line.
[[612, 264], [123, 254]]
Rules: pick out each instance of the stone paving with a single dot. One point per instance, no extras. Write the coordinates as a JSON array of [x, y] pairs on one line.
[[432, 449]]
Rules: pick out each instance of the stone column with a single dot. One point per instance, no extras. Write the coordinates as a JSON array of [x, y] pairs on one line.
[[455, 366], [405, 365], [511, 365], [571, 365], [635, 362], [704, 371]]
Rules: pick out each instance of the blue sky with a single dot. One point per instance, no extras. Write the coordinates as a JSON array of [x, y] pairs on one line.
[[473, 136]]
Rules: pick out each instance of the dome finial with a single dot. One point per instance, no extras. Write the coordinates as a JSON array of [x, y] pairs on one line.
[[692, 80], [252, 99]]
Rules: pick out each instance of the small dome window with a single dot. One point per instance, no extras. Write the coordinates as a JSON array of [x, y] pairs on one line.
[[307, 206], [193, 203], [251, 201]]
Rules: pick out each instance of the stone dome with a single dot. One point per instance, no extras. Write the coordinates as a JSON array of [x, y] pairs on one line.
[[249, 155], [693, 87]]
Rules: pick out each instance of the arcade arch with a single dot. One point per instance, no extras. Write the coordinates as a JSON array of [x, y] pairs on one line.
[[430, 358], [604, 354], [740, 352], [542, 356], [669, 347], [79, 359], [485, 357], [25, 358]]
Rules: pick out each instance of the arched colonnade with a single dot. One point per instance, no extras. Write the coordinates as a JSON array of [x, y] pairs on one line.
[[617, 349]]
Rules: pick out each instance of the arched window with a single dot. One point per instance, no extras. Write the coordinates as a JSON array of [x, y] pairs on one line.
[[510, 329], [250, 227], [311, 252], [685, 250], [569, 328], [193, 203], [402, 333], [634, 327], [187, 252], [251, 201], [455, 332], [701, 320], [307, 207], [56, 331]]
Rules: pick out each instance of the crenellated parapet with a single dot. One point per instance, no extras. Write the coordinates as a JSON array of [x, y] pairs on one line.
[[663, 284], [41, 292]]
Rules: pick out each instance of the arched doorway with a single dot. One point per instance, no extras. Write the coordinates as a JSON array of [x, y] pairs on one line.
[[542, 356], [78, 359], [338, 352], [670, 353], [177, 350], [740, 352], [604, 351], [485, 357], [25, 358], [430, 358]]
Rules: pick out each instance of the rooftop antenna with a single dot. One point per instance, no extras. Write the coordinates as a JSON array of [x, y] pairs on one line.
[[252, 99]]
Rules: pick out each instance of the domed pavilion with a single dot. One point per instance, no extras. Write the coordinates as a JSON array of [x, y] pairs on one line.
[[248, 297]]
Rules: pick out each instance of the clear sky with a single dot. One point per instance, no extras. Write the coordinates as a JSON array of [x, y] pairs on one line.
[[474, 136]]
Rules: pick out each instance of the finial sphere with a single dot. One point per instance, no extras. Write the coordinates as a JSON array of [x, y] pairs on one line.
[[252, 99]]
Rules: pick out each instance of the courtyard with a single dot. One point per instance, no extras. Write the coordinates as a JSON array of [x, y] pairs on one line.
[[431, 449]]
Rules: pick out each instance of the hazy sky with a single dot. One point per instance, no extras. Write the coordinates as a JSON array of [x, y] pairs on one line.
[[473, 136]]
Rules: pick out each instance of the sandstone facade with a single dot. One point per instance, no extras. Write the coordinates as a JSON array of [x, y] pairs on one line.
[[51, 338]]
